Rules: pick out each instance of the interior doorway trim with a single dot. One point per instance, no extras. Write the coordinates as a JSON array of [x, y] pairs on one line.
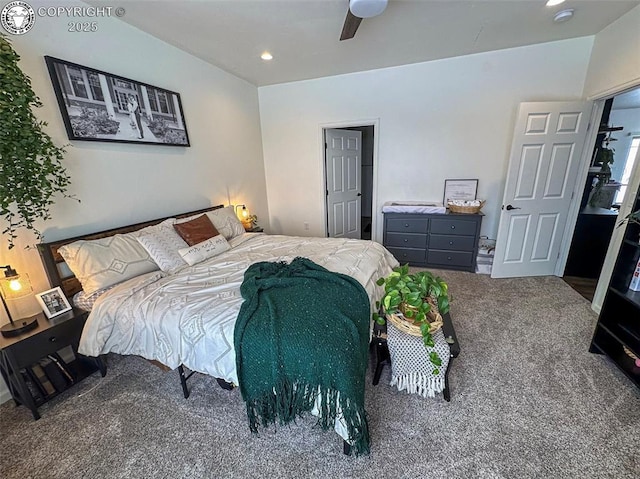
[[375, 122], [574, 209]]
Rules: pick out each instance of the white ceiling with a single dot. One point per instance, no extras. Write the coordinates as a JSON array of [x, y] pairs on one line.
[[303, 35]]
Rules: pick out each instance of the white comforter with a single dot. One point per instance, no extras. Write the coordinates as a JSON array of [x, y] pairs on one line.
[[188, 317]]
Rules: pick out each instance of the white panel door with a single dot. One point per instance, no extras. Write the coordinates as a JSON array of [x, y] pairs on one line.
[[543, 167], [343, 157]]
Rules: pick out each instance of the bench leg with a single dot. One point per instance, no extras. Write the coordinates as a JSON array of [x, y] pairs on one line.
[[382, 356], [445, 392]]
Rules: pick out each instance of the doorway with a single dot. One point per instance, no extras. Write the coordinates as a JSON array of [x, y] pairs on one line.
[[603, 191], [339, 212]]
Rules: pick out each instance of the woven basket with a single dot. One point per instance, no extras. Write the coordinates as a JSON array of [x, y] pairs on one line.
[[408, 326], [465, 209]]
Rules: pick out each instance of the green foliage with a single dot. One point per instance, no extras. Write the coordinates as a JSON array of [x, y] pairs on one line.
[[31, 171], [413, 295]]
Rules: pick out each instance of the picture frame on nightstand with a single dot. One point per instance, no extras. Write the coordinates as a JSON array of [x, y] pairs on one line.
[[53, 302]]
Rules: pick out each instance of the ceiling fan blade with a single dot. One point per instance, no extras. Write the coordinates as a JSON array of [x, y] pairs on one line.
[[351, 24]]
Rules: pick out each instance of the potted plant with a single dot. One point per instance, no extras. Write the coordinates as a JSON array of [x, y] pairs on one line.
[[417, 299], [31, 171]]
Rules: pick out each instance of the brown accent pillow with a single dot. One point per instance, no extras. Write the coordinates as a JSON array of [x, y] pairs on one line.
[[197, 230]]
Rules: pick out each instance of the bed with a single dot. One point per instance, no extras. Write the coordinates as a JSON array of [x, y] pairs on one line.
[[185, 316]]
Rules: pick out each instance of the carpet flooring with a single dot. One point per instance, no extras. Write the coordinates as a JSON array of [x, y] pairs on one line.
[[528, 401]]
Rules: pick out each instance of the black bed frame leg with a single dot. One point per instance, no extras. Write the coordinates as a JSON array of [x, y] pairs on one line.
[[346, 448], [183, 382]]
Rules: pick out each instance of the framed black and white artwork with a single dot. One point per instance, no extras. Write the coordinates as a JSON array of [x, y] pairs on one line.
[[53, 302], [100, 106]]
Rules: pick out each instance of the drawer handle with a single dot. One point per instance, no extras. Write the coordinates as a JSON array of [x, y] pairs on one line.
[[453, 227], [404, 255], [406, 240], [448, 258], [53, 339], [450, 242], [406, 225]]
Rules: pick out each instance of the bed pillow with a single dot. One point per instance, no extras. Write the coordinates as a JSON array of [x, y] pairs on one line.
[[196, 230], [101, 263], [226, 222], [205, 250], [162, 242]]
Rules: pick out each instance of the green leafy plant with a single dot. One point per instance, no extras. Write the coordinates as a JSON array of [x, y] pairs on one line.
[[415, 296], [31, 171]]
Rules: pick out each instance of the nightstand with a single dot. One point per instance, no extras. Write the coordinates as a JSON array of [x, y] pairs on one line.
[[255, 229], [31, 364]]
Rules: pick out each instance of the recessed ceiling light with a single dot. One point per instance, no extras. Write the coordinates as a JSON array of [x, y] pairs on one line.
[[266, 56], [563, 15], [553, 3]]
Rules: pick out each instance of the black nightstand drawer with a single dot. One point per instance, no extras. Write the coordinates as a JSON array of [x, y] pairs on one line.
[[406, 240], [408, 255], [451, 226], [460, 243], [53, 339], [450, 258], [408, 225]]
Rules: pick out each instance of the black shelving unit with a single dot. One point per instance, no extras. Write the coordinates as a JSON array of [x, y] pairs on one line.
[[618, 330]]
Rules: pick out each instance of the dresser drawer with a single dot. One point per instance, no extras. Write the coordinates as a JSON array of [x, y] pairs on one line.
[[53, 339], [450, 242], [450, 258], [408, 225], [409, 255], [452, 226], [406, 240]]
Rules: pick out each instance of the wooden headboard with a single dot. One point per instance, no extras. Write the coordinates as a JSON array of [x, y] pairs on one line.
[[60, 275]]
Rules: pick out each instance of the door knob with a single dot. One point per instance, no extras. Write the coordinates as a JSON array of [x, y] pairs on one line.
[[359, 194], [509, 208]]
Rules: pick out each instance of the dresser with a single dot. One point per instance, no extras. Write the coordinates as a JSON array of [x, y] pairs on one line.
[[444, 241]]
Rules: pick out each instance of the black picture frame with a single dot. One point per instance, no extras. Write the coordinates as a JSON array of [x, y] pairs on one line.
[[100, 106]]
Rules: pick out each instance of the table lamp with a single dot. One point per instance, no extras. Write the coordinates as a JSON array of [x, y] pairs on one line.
[[245, 218], [15, 286]]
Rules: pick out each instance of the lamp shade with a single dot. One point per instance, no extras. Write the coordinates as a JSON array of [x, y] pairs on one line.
[[16, 287], [367, 8]]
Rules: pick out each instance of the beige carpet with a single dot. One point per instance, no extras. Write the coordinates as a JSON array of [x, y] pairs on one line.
[[528, 401]]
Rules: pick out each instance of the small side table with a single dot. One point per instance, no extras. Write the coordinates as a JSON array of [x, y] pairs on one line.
[[19, 354], [382, 357]]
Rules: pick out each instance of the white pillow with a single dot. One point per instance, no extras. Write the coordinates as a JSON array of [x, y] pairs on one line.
[[205, 250], [162, 242], [226, 222], [107, 261]]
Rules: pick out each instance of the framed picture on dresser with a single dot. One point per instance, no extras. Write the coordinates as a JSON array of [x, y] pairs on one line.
[[100, 106], [457, 189]]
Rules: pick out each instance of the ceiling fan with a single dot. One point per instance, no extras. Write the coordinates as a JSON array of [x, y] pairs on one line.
[[359, 9]]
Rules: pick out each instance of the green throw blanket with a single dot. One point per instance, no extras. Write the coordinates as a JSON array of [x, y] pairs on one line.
[[303, 332]]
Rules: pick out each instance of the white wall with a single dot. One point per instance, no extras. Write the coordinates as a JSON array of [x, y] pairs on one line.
[[614, 66], [615, 61], [449, 118], [123, 183]]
